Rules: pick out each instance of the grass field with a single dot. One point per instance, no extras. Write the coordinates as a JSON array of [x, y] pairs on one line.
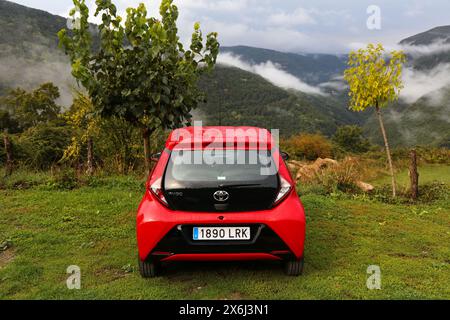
[[427, 173], [93, 227]]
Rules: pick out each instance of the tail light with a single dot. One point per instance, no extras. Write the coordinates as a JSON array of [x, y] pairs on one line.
[[156, 190], [285, 188]]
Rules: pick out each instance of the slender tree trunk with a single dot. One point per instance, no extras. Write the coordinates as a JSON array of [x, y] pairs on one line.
[[90, 156], [146, 133], [388, 151], [414, 176], [9, 154]]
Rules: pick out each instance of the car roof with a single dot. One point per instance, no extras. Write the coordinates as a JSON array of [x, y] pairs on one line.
[[220, 136]]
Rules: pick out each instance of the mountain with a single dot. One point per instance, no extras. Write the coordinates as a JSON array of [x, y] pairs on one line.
[[439, 38], [28, 49], [313, 69], [438, 34]]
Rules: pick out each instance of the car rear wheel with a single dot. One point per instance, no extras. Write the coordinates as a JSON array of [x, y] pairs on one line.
[[293, 267], [149, 269]]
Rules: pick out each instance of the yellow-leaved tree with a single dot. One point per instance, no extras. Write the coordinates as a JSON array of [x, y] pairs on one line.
[[82, 119], [374, 78]]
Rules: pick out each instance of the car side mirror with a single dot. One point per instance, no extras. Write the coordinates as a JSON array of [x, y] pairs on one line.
[[284, 155], [155, 157]]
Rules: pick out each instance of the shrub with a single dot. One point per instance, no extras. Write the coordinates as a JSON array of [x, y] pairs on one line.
[[65, 179], [308, 146], [43, 145], [433, 191], [341, 177], [350, 139]]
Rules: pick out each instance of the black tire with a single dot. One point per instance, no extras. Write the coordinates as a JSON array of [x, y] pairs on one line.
[[294, 268], [149, 269]]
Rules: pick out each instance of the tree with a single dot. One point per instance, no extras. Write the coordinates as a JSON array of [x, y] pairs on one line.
[[113, 137], [350, 139], [8, 154], [7, 122], [375, 80], [85, 125], [29, 109], [141, 73]]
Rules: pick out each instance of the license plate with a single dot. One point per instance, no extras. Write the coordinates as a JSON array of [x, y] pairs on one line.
[[221, 233]]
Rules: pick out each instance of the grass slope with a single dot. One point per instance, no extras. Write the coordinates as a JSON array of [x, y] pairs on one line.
[[94, 228]]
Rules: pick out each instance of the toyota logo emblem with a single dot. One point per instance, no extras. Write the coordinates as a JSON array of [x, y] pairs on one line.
[[221, 196]]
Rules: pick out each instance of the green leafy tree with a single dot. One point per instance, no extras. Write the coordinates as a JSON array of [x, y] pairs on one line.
[[141, 73], [29, 109], [350, 139], [374, 78], [7, 122]]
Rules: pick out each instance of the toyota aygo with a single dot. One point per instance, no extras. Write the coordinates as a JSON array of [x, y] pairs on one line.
[[220, 194]]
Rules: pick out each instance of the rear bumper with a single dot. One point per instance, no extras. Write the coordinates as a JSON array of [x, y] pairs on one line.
[[163, 234], [221, 257]]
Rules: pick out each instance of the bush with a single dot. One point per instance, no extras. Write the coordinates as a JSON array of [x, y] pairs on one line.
[[350, 139], [342, 177], [64, 179], [43, 146], [433, 191], [308, 146]]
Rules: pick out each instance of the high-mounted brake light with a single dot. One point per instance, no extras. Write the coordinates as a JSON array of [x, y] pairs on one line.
[[285, 188], [157, 191]]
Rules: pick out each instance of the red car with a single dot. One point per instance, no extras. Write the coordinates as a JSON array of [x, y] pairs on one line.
[[220, 194]]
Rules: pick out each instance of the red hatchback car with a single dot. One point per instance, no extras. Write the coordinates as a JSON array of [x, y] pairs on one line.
[[220, 193]]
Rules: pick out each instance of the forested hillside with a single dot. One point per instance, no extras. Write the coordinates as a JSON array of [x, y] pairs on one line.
[[237, 97], [425, 122]]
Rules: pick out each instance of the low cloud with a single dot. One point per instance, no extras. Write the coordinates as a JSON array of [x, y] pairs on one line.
[[20, 72], [271, 72], [336, 83], [418, 84], [417, 51]]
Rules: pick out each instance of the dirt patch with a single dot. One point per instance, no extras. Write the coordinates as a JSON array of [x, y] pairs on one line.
[[234, 296], [6, 257], [111, 274]]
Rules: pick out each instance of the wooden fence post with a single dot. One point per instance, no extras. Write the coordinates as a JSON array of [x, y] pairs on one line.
[[414, 175], [8, 151], [90, 156]]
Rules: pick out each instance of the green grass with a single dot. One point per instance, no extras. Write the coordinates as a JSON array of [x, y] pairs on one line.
[[427, 173], [94, 227]]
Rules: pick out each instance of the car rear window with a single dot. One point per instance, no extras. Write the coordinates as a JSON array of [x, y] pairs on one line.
[[220, 165]]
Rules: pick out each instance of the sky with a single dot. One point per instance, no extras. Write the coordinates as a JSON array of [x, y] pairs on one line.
[[313, 26]]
